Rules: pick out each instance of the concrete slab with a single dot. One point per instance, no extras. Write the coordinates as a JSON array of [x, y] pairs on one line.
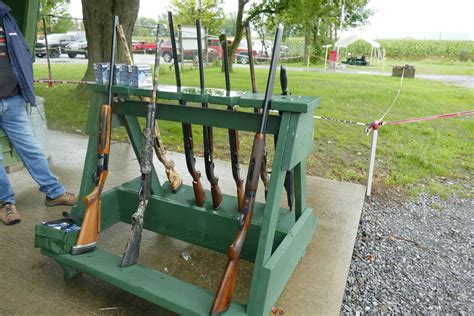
[[33, 284]]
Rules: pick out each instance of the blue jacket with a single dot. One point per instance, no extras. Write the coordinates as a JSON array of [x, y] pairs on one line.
[[20, 57]]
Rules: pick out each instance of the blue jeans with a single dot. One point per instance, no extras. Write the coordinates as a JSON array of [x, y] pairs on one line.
[[16, 125]]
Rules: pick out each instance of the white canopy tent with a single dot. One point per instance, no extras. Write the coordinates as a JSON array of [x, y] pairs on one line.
[[376, 55]]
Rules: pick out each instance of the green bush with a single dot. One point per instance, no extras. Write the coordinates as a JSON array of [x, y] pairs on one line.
[[465, 55]]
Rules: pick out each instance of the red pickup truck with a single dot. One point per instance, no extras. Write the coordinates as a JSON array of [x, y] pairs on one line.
[[143, 47], [167, 53]]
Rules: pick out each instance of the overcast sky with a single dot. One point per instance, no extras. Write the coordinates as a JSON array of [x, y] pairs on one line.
[[391, 17]]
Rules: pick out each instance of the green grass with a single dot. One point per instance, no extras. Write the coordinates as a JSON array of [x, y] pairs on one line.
[[414, 156], [435, 66], [427, 66]]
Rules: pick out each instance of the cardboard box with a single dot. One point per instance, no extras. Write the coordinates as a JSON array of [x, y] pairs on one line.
[[101, 72], [140, 76], [407, 71], [121, 74]]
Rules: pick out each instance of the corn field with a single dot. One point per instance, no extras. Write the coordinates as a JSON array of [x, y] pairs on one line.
[[419, 49]]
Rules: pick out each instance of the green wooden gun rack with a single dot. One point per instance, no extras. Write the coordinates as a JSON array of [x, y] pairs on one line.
[[277, 238]]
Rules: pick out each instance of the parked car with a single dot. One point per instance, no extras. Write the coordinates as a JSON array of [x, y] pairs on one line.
[[191, 54], [284, 51], [143, 46], [214, 43], [242, 58], [57, 44], [362, 61], [260, 52], [78, 47]]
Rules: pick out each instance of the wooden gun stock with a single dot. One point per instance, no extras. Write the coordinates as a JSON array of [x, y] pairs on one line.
[[90, 229], [173, 177], [224, 293], [226, 288], [216, 195], [199, 194]]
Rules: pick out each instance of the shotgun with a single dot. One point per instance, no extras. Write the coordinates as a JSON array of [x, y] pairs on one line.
[[263, 170], [132, 249], [173, 177], [233, 133], [226, 288], [90, 228], [289, 178], [289, 183], [199, 193], [207, 132]]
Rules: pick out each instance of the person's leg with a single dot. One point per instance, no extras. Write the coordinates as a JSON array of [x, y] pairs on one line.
[[6, 191], [18, 128]]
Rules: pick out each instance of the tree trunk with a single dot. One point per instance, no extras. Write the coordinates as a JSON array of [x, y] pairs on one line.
[[307, 46], [98, 19], [316, 31], [239, 30], [317, 41]]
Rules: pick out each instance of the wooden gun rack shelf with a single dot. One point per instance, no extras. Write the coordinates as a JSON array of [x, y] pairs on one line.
[[277, 238]]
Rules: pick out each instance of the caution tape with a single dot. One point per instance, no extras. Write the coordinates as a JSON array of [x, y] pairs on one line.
[[427, 118], [377, 124], [339, 120], [48, 81]]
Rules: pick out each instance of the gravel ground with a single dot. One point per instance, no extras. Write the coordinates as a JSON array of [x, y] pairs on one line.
[[413, 257]]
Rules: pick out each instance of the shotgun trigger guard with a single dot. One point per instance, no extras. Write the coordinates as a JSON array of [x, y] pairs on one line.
[[140, 191], [98, 171], [95, 177], [242, 220], [245, 210]]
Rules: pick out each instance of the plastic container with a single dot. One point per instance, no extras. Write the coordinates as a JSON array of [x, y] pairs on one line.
[[333, 56]]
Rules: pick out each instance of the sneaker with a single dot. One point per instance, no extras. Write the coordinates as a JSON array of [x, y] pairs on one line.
[[65, 199], [10, 215]]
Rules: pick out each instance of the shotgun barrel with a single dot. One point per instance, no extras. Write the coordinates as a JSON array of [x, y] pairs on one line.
[[226, 288], [132, 249], [263, 170], [199, 193], [233, 133], [207, 132], [289, 183], [90, 227]]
